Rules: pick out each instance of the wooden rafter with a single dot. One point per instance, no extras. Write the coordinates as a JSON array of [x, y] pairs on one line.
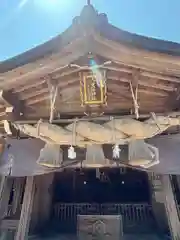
[[29, 81], [29, 86], [67, 55]]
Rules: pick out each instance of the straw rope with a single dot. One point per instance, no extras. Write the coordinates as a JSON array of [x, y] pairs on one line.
[[84, 133]]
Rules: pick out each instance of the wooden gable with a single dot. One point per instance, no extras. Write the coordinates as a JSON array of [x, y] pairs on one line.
[[126, 58]]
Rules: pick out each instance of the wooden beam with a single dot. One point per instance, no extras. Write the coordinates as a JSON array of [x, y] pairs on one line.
[[41, 98], [23, 228], [160, 76], [147, 84], [6, 98], [143, 72], [13, 106], [36, 83], [12, 114], [149, 61], [38, 69], [143, 88], [36, 93], [9, 99]]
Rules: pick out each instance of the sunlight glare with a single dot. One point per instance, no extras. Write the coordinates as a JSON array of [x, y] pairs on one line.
[[22, 4], [50, 4]]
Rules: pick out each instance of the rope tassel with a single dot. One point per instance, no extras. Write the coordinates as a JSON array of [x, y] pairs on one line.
[[135, 99], [71, 150]]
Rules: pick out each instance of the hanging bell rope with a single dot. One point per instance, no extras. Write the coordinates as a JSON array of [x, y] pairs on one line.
[[153, 115], [53, 96], [36, 131], [71, 151], [116, 149], [135, 99]]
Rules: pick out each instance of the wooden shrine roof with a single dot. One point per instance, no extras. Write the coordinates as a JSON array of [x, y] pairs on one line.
[[155, 63]]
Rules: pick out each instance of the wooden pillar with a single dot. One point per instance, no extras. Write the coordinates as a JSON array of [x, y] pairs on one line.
[[164, 205], [3, 181], [42, 202], [171, 207], [2, 185], [157, 202], [23, 228], [46, 184], [5, 191], [18, 194], [178, 181]]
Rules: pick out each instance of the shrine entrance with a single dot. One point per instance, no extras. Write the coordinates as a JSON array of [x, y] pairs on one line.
[[53, 202], [123, 192]]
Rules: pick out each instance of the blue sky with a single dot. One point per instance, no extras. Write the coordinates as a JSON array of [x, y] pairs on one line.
[[27, 23]]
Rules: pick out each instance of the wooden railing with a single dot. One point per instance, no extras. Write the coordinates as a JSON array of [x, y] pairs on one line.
[[134, 215]]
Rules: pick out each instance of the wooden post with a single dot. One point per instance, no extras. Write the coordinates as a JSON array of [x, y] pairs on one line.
[[171, 207], [46, 198], [2, 183], [42, 202], [164, 205], [178, 181], [2, 188], [5, 191], [18, 193], [23, 228], [157, 202]]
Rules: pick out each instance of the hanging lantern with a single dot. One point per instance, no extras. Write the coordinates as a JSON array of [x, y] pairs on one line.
[[142, 154], [95, 157], [50, 156], [93, 88]]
